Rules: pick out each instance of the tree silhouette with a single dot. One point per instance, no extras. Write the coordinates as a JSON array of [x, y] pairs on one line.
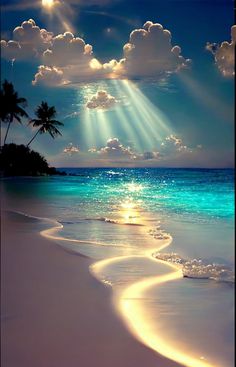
[[19, 160], [11, 106], [45, 121]]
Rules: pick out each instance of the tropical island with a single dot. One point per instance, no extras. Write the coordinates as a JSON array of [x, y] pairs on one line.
[[127, 258], [20, 160]]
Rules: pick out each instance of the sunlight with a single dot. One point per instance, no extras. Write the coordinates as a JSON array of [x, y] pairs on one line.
[[136, 318], [125, 120], [205, 96], [133, 187], [60, 10], [60, 14], [133, 117], [48, 3], [155, 122], [133, 120], [86, 129], [95, 128], [129, 212], [128, 205]]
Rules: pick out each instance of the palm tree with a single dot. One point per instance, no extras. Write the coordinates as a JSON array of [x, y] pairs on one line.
[[11, 105], [45, 121]]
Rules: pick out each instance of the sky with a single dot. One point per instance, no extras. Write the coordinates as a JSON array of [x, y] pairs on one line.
[[135, 83]]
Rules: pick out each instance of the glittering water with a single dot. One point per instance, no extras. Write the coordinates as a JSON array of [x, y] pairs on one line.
[[131, 213]]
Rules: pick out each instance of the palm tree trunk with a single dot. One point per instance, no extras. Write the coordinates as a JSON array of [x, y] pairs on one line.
[[33, 138], [8, 127], [9, 123]]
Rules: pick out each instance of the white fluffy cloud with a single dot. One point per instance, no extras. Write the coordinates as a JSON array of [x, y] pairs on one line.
[[29, 41], [50, 76], [225, 54], [72, 57], [172, 141], [65, 58], [66, 49], [173, 145], [71, 149], [149, 53], [114, 149], [101, 100], [170, 147]]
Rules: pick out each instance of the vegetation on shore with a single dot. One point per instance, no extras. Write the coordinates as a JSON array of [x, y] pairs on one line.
[[20, 160]]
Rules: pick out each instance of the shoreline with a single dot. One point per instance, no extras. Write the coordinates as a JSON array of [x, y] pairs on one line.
[[45, 319]]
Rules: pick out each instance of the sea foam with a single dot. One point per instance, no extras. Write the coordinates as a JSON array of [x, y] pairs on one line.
[[198, 268]]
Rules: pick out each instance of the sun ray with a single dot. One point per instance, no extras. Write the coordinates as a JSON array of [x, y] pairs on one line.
[[154, 119], [126, 117], [48, 3], [86, 129], [139, 122], [205, 97]]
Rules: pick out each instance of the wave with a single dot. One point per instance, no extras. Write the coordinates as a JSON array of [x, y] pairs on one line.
[[131, 313], [113, 173], [57, 226], [116, 221], [159, 234], [198, 268]]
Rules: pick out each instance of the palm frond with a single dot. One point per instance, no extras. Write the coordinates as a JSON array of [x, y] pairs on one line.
[[56, 123], [53, 131], [17, 118], [21, 112]]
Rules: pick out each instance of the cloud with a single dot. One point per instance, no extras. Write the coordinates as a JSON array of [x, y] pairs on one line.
[[114, 149], [74, 58], [71, 149], [149, 53], [224, 54], [176, 142], [50, 76], [29, 41], [173, 145], [101, 100], [71, 74], [150, 155], [66, 58], [170, 148], [66, 49]]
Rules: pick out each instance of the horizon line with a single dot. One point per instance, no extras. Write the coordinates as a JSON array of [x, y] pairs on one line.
[[108, 167]]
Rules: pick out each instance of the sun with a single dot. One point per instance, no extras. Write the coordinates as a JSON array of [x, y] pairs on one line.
[[48, 3]]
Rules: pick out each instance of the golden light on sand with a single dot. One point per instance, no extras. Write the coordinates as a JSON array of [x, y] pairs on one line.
[[48, 3], [135, 318]]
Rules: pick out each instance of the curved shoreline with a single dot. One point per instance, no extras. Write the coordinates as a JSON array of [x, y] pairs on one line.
[[133, 318], [54, 312]]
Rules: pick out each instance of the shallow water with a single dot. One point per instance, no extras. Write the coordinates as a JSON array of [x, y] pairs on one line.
[[132, 213]]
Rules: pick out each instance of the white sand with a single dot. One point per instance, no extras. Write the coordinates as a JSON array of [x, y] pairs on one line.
[[54, 313]]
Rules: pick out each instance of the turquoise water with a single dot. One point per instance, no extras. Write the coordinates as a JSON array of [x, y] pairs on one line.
[[129, 213]]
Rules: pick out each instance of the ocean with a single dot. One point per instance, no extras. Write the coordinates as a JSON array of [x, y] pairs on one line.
[[138, 224]]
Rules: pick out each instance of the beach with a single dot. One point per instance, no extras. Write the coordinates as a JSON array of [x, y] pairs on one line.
[[54, 313], [93, 265]]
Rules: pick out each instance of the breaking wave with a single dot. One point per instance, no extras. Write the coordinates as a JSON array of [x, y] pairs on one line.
[[198, 268]]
